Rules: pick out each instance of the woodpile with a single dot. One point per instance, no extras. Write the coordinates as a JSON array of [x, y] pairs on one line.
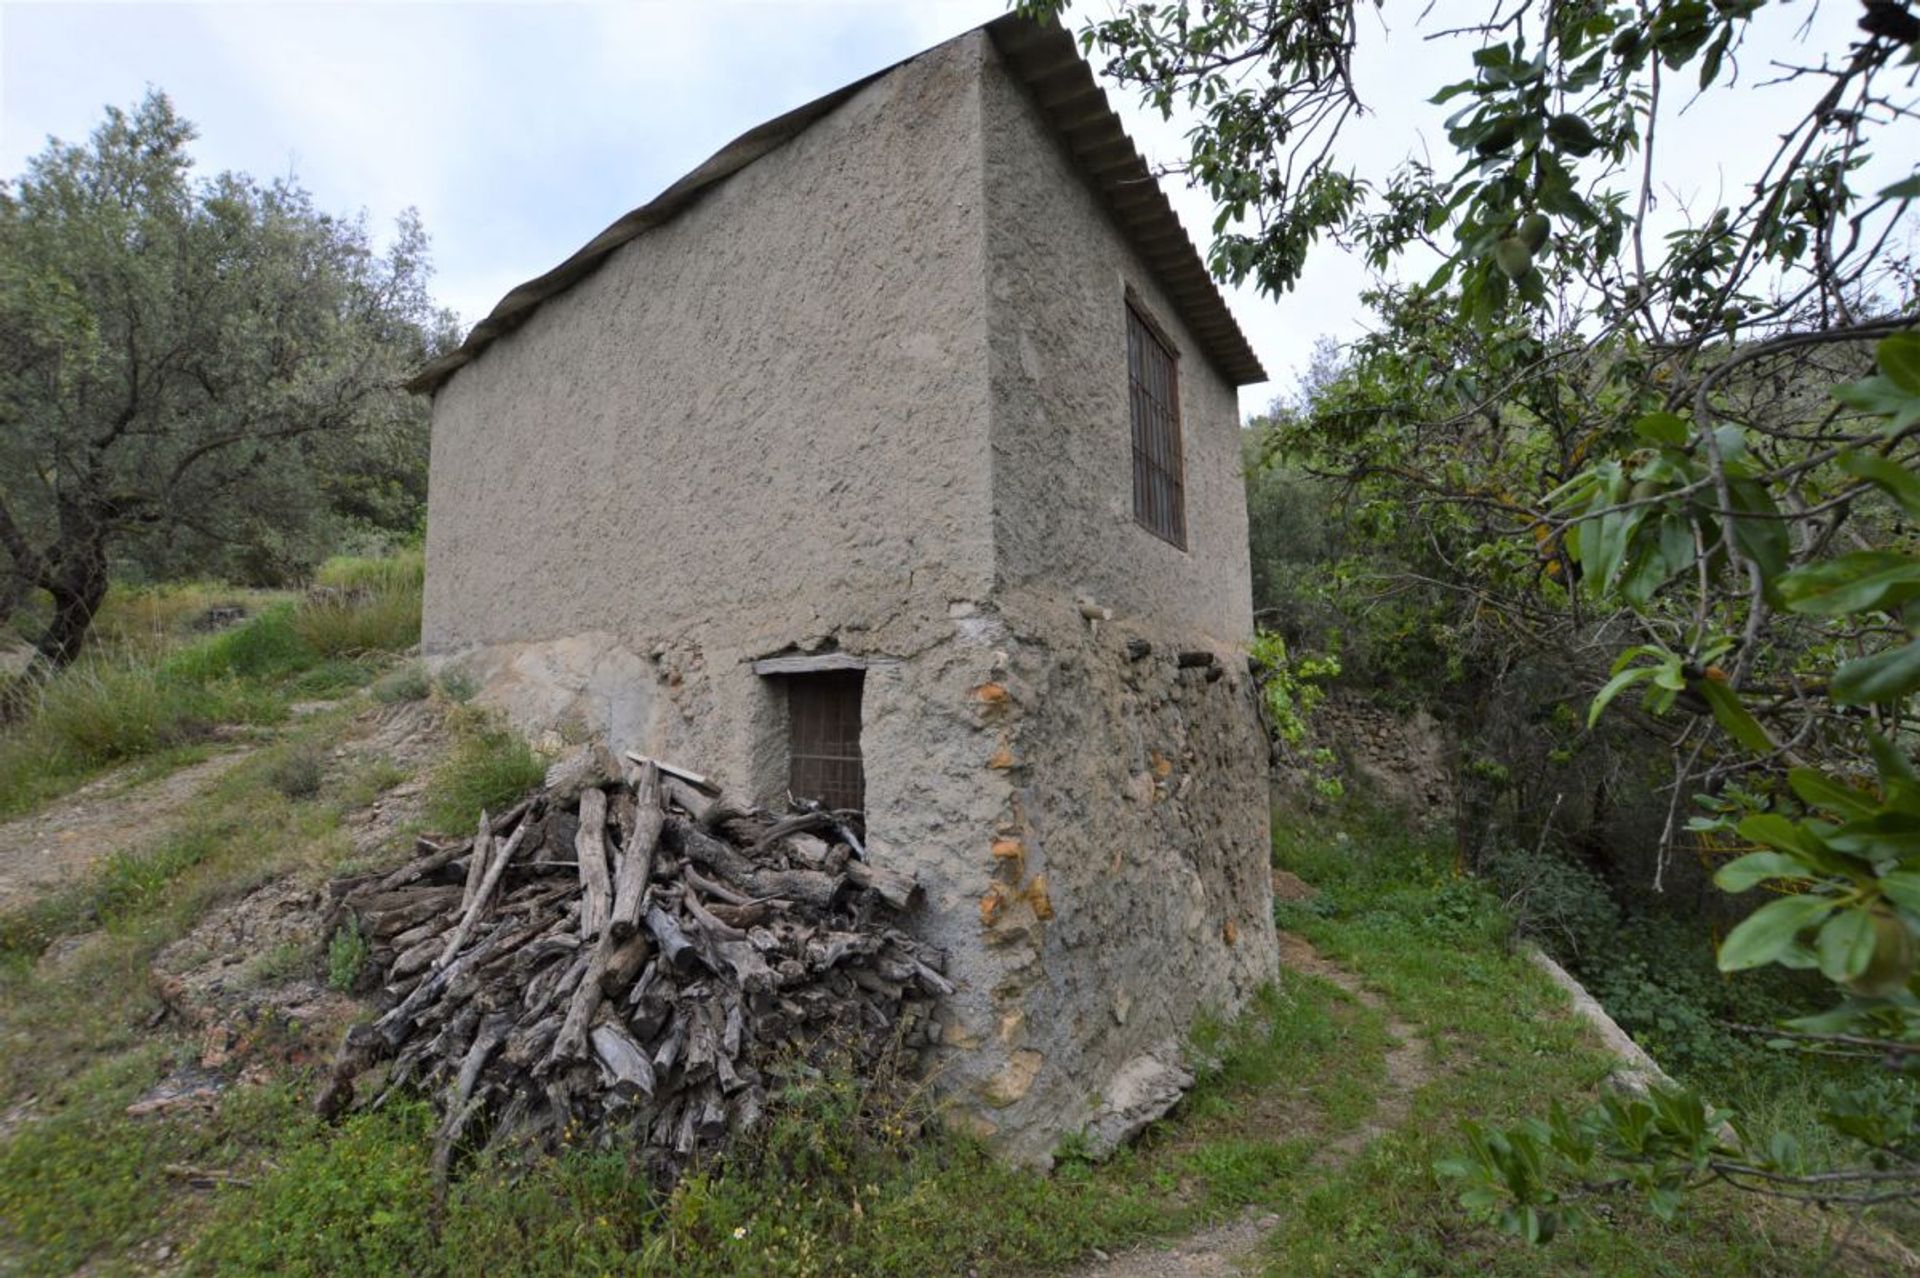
[[630, 960]]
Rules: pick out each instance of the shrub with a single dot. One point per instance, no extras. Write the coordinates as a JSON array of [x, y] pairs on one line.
[[408, 683], [1567, 908], [347, 955], [298, 770]]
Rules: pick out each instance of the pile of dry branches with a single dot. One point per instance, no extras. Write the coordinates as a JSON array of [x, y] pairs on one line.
[[628, 959]]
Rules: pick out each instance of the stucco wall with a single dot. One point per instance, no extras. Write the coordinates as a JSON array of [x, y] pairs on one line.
[[1058, 271], [871, 392], [760, 423], [1126, 876]]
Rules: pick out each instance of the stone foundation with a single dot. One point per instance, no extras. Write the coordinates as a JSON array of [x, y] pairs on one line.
[[1088, 819]]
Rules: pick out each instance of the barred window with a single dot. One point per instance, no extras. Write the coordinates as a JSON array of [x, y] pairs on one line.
[[1153, 394], [823, 716]]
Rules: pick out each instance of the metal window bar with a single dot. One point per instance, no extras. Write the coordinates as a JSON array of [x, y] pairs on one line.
[[823, 718], [1159, 480]]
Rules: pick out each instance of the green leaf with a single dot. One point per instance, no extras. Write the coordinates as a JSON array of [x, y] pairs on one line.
[[1818, 790], [1734, 717], [1880, 836], [1904, 190], [1898, 481], [1756, 868], [1889, 762], [1899, 358], [1763, 538], [1885, 676], [1665, 428], [1883, 397], [1774, 831], [1903, 889], [1845, 945], [1614, 687], [1760, 937], [1854, 582]]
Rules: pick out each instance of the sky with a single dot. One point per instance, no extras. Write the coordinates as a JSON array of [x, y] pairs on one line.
[[520, 130]]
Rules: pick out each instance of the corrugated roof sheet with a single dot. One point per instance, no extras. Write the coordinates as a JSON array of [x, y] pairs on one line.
[[1043, 56]]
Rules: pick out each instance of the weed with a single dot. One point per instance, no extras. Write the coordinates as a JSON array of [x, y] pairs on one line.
[[403, 572], [331, 678], [347, 955], [278, 965], [458, 685], [298, 770], [409, 682], [360, 622]]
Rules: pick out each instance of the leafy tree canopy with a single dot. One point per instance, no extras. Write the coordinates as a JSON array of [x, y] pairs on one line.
[[1686, 462], [195, 374]]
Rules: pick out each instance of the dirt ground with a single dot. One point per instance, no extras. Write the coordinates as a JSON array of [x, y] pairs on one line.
[[55, 847]]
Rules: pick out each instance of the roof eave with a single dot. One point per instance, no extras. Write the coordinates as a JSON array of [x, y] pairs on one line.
[[1043, 56]]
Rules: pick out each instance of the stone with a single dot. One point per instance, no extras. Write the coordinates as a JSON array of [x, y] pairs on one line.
[[1015, 1078]]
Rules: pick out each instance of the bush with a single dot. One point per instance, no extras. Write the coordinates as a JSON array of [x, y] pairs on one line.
[[1565, 907], [408, 683], [298, 771]]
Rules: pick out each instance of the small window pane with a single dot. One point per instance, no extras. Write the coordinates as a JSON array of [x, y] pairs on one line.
[[823, 716], [1159, 478]]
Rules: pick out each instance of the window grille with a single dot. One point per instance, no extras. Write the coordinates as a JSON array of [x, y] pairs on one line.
[[823, 717], [1159, 471]]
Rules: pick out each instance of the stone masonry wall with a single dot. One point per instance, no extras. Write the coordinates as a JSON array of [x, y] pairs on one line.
[[1125, 883]]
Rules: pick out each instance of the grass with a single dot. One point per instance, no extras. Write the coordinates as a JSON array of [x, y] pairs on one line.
[[490, 767], [847, 1178], [135, 700], [1434, 944]]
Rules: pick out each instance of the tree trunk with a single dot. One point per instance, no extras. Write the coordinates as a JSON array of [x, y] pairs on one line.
[[77, 591]]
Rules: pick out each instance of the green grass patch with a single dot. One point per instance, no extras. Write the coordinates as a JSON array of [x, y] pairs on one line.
[[846, 1178], [242, 832], [402, 572], [133, 701], [1435, 945], [490, 766]]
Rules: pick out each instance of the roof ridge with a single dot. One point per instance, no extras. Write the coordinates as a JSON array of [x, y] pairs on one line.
[[1046, 59]]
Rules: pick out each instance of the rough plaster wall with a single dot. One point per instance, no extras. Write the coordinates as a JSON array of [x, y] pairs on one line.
[[761, 422], [767, 425], [1058, 270]]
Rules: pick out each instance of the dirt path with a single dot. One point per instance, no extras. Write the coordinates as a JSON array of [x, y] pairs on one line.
[[53, 848], [1222, 1250]]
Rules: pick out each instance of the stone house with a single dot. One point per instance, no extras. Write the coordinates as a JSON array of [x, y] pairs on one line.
[[891, 457]]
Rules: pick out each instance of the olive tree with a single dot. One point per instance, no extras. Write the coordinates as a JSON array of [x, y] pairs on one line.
[[193, 372]]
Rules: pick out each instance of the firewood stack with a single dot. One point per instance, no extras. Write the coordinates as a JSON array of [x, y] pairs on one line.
[[628, 960]]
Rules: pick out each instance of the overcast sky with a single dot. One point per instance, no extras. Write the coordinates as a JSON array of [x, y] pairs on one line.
[[520, 130]]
